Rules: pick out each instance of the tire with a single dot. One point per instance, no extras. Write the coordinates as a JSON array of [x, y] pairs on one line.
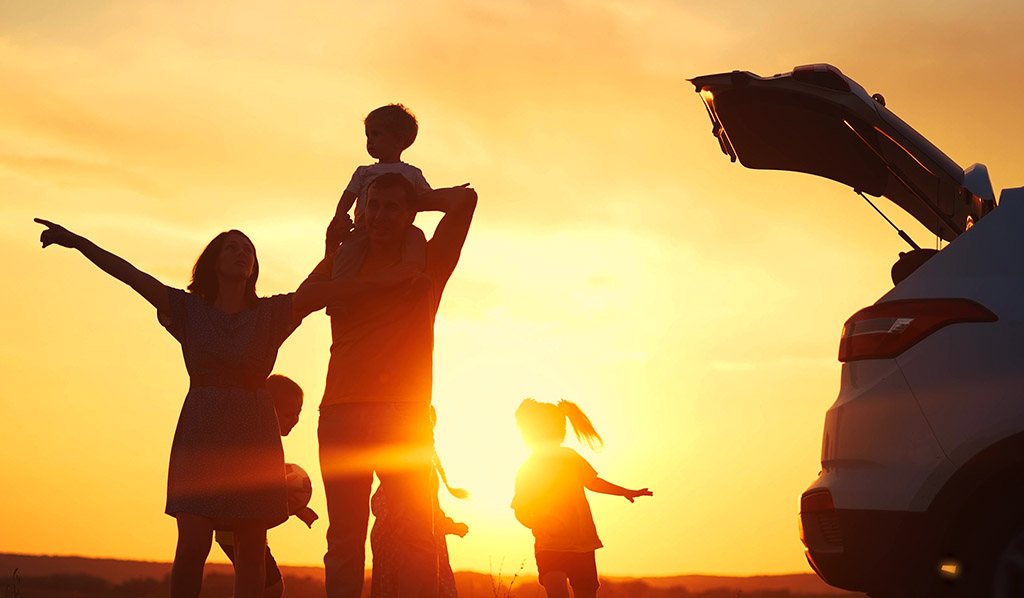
[[1003, 576], [992, 548]]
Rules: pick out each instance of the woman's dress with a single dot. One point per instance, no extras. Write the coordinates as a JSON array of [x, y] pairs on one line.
[[226, 458]]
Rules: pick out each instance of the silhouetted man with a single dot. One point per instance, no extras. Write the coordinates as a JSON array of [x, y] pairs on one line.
[[375, 412]]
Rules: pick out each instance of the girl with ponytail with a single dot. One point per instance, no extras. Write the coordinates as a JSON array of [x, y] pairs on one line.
[[388, 542], [550, 497]]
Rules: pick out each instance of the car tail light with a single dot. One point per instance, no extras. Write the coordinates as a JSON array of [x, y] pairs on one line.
[[885, 330], [819, 521], [821, 75], [817, 501]]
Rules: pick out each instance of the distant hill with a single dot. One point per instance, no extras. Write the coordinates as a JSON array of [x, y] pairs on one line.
[[114, 570], [795, 583], [470, 583]]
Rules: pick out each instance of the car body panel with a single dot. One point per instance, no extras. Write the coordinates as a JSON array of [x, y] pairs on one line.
[[876, 547], [877, 447], [914, 444], [818, 121], [968, 378]]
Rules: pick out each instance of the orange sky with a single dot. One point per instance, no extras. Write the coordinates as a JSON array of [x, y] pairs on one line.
[[617, 259]]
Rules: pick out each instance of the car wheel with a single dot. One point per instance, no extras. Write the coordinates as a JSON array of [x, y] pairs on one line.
[[992, 556], [1008, 568]]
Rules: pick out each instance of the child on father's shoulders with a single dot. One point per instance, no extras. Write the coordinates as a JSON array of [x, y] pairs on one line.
[[390, 130]]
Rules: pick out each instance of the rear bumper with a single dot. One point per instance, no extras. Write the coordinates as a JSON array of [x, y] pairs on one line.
[[861, 550]]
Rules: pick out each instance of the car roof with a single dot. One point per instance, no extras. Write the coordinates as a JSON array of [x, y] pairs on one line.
[[817, 120]]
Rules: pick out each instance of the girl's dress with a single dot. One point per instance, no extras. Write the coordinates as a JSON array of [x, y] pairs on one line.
[[551, 500], [226, 458], [550, 492]]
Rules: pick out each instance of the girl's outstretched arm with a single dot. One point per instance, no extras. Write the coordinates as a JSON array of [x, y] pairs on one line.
[[151, 289], [605, 487]]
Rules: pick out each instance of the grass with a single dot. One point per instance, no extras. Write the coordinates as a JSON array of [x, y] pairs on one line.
[[11, 589], [497, 585]]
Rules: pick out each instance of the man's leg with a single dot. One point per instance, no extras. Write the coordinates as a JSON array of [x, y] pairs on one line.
[[347, 482], [406, 484]]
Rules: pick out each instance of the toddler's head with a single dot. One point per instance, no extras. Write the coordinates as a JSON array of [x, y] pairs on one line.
[[390, 130], [287, 397], [543, 424]]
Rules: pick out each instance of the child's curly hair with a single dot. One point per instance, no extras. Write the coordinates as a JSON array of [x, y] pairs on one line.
[[398, 119]]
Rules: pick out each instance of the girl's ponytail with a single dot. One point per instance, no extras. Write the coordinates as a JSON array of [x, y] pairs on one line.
[[456, 492], [581, 425]]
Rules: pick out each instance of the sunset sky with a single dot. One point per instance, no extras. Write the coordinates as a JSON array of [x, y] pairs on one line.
[[617, 259]]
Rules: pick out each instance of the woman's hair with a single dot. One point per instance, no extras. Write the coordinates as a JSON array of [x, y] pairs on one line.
[[205, 281], [541, 422]]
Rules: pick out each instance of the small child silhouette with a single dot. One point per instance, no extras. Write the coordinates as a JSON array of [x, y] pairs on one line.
[[386, 539], [550, 497], [390, 130]]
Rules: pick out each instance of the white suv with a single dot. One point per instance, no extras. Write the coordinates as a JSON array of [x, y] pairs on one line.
[[921, 491]]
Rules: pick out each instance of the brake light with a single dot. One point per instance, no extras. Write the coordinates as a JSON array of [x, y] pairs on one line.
[[819, 522], [885, 330], [820, 500], [821, 75]]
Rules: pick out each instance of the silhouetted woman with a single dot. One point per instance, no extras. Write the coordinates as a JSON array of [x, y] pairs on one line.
[[226, 466]]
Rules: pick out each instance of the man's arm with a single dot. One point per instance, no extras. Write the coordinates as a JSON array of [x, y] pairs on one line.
[[444, 248]]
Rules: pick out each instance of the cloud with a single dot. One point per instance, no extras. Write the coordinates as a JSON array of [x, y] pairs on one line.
[[73, 173], [778, 363]]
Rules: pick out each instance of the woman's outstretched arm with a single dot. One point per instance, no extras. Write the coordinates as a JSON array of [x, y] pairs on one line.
[[319, 291], [308, 297], [151, 289]]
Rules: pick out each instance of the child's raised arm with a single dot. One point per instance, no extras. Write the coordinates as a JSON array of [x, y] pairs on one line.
[[345, 204], [337, 231], [606, 487]]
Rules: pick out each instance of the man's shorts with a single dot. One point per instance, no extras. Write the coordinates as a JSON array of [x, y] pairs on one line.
[[579, 567]]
